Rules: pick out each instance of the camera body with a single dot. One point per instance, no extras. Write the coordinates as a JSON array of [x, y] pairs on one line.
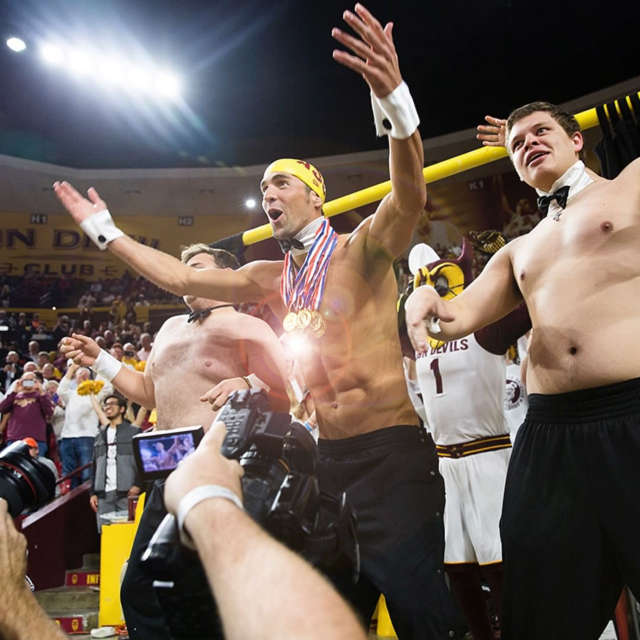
[[280, 491], [25, 482]]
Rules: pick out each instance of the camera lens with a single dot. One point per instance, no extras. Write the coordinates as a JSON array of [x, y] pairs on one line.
[[25, 483]]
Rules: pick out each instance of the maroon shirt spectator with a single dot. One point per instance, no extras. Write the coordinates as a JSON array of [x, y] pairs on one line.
[[30, 409]]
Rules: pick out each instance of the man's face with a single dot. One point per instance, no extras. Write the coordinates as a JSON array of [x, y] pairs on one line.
[[34, 347], [541, 150], [12, 357], [111, 408], [200, 262], [48, 371], [289, 204]]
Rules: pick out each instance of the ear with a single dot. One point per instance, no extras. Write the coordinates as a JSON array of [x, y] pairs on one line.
[[316, 199], [578, 141]]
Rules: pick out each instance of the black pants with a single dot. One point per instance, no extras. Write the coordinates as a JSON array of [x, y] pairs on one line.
[[142, 611], [392, 482], [571, 513]]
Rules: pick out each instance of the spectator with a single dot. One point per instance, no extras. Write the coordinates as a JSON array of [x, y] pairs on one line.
[[117, 351], [80, 423], [49, 372], [61, 329], [145, 347], [34, 350], [129, 355], [43, 358], [30, 409], [114, 472], [57, 418], [11, 371], [34, 452]]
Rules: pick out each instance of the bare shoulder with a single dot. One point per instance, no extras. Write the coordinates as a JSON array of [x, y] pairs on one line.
[[264, 273], [170, 324], [629, 176]]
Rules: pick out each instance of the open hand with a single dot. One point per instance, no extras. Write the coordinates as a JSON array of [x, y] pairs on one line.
[[81, 349], [492, 134], [376, 58], [218, 395], [76, 204]]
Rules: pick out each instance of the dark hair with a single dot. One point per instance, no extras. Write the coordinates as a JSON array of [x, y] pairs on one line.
[[122, 402], [566, 120], [223, 259]]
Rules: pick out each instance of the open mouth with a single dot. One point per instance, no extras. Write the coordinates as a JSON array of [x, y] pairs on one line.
[[274, 213], [536, 158]]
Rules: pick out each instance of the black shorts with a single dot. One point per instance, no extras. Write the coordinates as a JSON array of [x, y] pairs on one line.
[[571, 513], [392, 482]]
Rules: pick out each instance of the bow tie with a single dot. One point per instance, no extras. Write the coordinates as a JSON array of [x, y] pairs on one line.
[[560, 196], [290, 243], [201, 314]]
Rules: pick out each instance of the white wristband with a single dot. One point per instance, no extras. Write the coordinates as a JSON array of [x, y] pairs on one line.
[[256, 383], [395, 114], [106, 365], [101, 228], [196, 496]]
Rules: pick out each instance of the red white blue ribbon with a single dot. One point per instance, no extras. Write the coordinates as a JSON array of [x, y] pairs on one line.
[[304, 289]]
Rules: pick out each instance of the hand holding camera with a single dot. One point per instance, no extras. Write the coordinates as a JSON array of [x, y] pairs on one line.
[[205, 466]]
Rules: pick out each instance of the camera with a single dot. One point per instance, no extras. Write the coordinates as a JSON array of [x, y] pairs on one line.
[[280, 492], [157, 453], [25, 483]]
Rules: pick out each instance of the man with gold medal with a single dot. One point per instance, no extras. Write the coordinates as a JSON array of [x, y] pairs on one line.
[[341, 292]]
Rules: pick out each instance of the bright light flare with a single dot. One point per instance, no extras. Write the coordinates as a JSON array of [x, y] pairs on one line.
[[79, 63], [16, 44], [167, 84], [250, 203], [297, 345], [51, 54]]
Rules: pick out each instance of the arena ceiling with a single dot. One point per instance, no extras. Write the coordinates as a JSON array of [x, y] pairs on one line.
[[259, 81]]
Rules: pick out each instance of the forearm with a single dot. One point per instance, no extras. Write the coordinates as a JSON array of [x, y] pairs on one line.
[[243, 564], [160, 268], [26, 620], [131, 384], [408, 190]]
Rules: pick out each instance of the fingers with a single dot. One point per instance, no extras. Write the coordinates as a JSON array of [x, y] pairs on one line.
[[418, 335], [215, 435], [98, 203], [498, 122], [357, 46]]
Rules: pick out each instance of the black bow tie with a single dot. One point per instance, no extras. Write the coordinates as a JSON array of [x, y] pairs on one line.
[[560, 196], [201, 314], [290, 243]]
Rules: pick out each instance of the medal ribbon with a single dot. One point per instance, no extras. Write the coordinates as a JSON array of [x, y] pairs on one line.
[[304, 289]]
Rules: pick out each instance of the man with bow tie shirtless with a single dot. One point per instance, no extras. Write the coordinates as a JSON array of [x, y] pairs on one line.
[[338, 293], [570, 515], [195, 361]]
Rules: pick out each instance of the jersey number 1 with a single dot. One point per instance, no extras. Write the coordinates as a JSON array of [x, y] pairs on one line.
[[436, 374]]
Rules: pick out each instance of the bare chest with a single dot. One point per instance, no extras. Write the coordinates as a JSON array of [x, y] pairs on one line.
[[593, 238]]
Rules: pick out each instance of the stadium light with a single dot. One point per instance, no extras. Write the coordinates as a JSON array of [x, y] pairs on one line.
[[16, 44], [250, 203], [167, 84]]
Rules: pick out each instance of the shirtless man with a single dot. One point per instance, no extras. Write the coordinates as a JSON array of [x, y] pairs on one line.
[[370, 443], [570, 514], [203, 359]]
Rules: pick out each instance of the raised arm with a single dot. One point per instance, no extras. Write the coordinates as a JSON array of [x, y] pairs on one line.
[[377, 61], [102, 418], [132, 384], [489, 297], [252, 282]]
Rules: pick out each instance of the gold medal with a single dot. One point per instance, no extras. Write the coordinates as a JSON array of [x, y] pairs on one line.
[[318, 325], [290, 322], [303, 319]]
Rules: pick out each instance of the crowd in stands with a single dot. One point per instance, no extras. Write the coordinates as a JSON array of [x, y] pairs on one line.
[[35, 290], [51, 401]]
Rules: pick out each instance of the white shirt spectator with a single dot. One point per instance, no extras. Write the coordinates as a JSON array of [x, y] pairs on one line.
[[80, 420]]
